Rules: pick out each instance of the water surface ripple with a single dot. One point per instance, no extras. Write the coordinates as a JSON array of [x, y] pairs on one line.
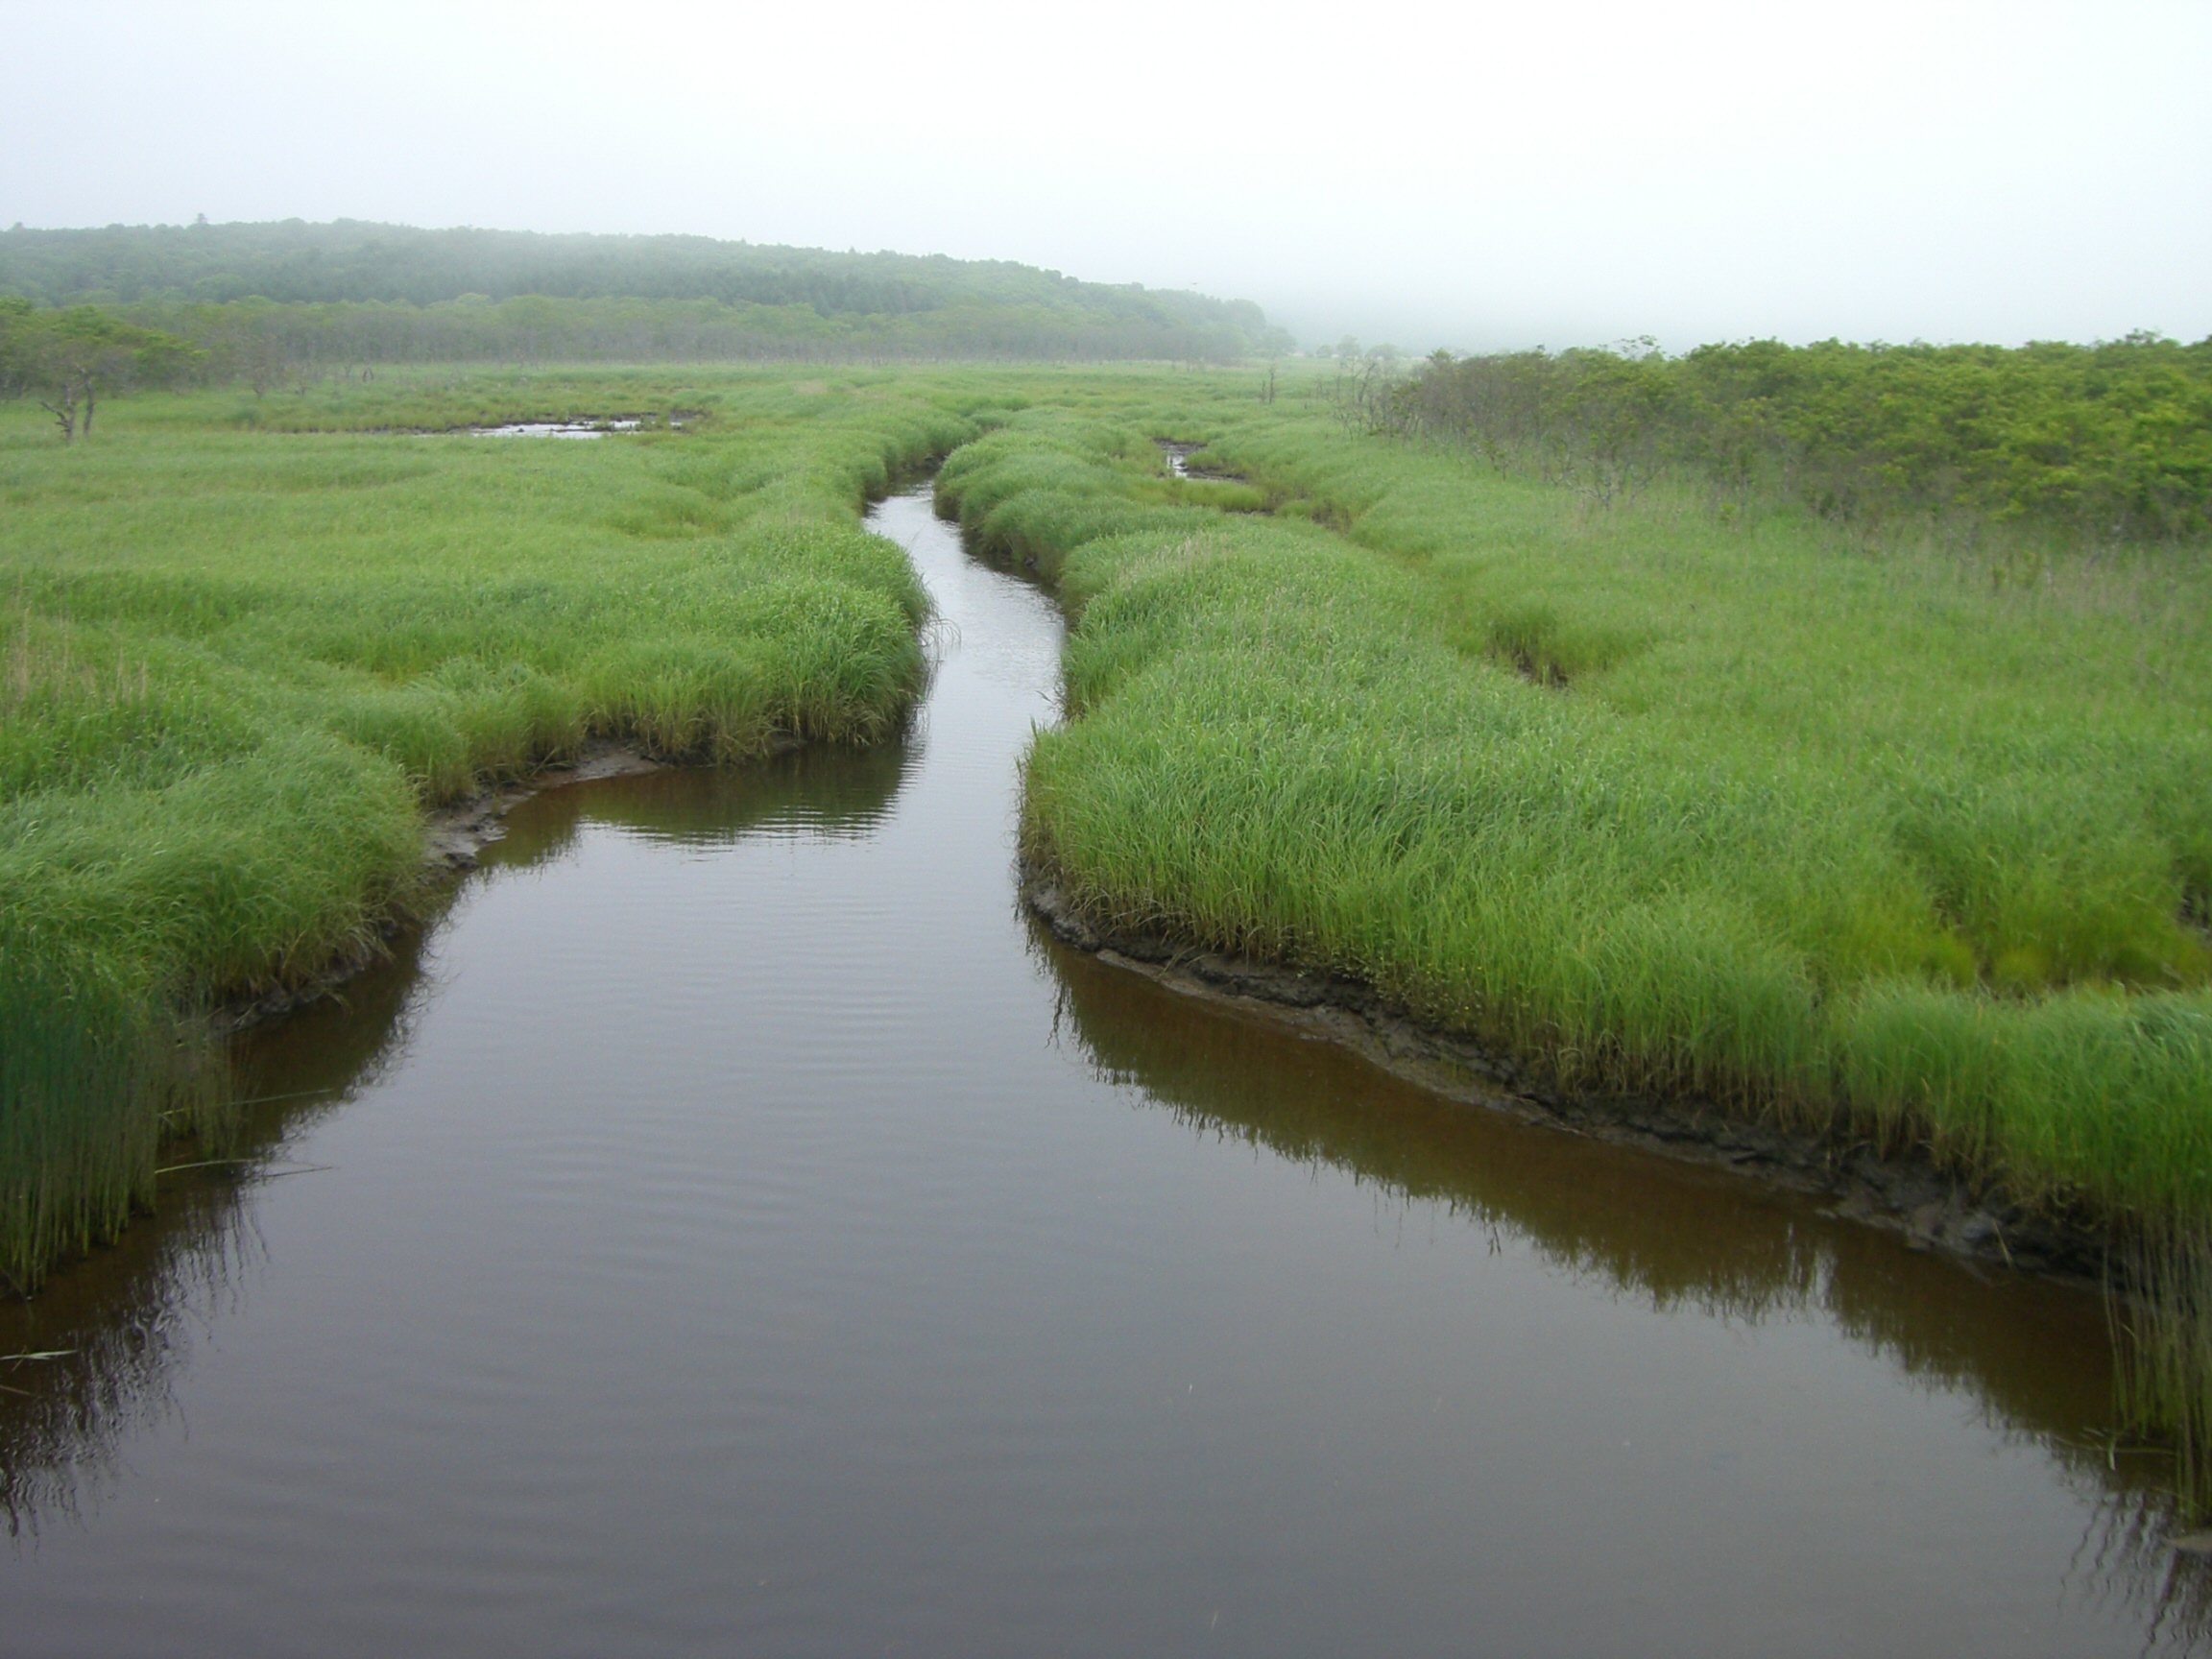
[[735, 1229]]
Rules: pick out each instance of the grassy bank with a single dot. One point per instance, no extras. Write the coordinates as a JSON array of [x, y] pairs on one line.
[[237, 664], [1880, 840]]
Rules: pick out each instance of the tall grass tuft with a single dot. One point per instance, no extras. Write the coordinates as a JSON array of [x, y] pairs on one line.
[[2161, 1315], [93, 1079]]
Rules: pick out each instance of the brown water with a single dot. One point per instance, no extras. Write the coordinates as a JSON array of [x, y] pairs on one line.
[[737, 1230]]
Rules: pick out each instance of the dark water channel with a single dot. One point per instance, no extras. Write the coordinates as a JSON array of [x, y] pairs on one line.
[[737, 1230]]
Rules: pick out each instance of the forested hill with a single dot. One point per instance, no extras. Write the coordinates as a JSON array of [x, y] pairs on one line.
[[895, 302]]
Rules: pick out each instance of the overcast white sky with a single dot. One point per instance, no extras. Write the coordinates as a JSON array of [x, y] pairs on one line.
[[1463, 174]]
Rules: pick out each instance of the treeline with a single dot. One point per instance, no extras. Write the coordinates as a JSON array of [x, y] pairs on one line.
[[718, 299], [263, 342], [2099, 444]]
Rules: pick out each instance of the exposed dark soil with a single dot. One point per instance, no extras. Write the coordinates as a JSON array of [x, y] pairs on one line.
[[455, 834], [452, 837], [1903, 1193]]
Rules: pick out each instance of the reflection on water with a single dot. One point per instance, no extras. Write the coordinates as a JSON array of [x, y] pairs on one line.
[[110, 1333], [2034, 1358], [558, 428], [813, 793], [1682, 1237], [735, 1226], [113, 1330]]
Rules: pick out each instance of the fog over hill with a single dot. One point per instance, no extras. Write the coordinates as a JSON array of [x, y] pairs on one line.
[[902, 304]]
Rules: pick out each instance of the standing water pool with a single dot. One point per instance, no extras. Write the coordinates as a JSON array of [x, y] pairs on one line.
[[736, 1228]]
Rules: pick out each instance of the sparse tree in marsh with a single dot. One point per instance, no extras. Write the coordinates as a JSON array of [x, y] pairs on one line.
[[67, 358]]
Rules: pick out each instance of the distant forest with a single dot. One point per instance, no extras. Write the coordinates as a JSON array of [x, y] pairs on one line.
[[263, 300]]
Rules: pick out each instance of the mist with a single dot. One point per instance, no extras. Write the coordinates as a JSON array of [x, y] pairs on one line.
[[1469, 177]]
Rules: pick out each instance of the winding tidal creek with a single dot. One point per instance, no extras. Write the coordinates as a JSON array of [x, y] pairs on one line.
[[737, 1227]]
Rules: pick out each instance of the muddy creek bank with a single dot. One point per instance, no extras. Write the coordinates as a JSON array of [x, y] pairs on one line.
[[1930, 1208]]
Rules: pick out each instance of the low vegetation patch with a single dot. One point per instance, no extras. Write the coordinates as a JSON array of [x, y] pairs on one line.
[[2080, 445]]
